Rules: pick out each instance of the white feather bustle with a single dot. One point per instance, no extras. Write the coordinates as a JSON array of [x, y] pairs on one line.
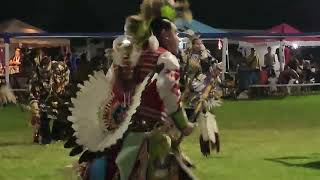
[[89, 128], [87, 114]]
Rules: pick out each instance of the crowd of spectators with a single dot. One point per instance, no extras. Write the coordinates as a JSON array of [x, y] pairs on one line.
[[252, 72]]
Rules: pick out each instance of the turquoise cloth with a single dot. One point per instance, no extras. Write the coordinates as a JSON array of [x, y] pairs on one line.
[[98, 169]]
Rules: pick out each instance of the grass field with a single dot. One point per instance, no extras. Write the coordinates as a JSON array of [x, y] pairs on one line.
[[261, 140]]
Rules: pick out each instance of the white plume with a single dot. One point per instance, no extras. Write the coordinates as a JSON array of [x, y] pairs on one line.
[[208, 126], [89, 128], [6, 95], [211, 103]]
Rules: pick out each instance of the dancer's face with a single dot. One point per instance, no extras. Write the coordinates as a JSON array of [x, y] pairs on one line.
[[17, 53], [170, 40], [196, 46]]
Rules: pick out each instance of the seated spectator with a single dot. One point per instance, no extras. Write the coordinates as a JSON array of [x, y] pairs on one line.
[[306, 72], [287, 75], [264, 76], [273, 82]]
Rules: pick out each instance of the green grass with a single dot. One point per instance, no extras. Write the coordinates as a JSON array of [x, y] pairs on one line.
[[266, 139], [20, 159]]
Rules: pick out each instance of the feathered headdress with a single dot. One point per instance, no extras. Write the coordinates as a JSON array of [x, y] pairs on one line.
[[183, 10], [138, 26]]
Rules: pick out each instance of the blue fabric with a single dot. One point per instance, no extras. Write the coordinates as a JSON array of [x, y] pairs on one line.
[[254, 77], [73, 61], [198, 27], [98, 169]]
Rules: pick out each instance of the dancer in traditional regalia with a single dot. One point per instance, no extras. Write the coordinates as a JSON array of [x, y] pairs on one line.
[[203, 95], [130, 122], [49, 99], [202, 91]]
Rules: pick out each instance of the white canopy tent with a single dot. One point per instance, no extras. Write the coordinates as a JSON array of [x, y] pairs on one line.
[[16, 26], [261, 50], [261, 45]]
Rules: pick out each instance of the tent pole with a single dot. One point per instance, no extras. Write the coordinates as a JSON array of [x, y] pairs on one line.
[[7, 59], [224, 57], [228, 60], [88, 50]]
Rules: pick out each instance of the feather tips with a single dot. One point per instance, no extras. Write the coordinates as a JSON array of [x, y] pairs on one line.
[[6, 95], [209, 137], [89, 129]]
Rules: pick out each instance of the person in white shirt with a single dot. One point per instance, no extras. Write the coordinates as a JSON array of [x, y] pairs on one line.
[[273, 80]]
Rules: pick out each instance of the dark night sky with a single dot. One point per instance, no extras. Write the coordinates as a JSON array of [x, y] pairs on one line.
[[109, 15]]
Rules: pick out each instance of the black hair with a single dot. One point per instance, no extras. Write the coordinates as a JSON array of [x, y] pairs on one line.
[[194, 40], [160, 24]]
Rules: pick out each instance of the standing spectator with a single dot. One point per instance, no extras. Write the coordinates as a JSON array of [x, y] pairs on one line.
[[15, 62], [254, 66], [269, 61], [243, 75], [317, 76], [287, 55], [69, 59], [27, 63], [1, 69]]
